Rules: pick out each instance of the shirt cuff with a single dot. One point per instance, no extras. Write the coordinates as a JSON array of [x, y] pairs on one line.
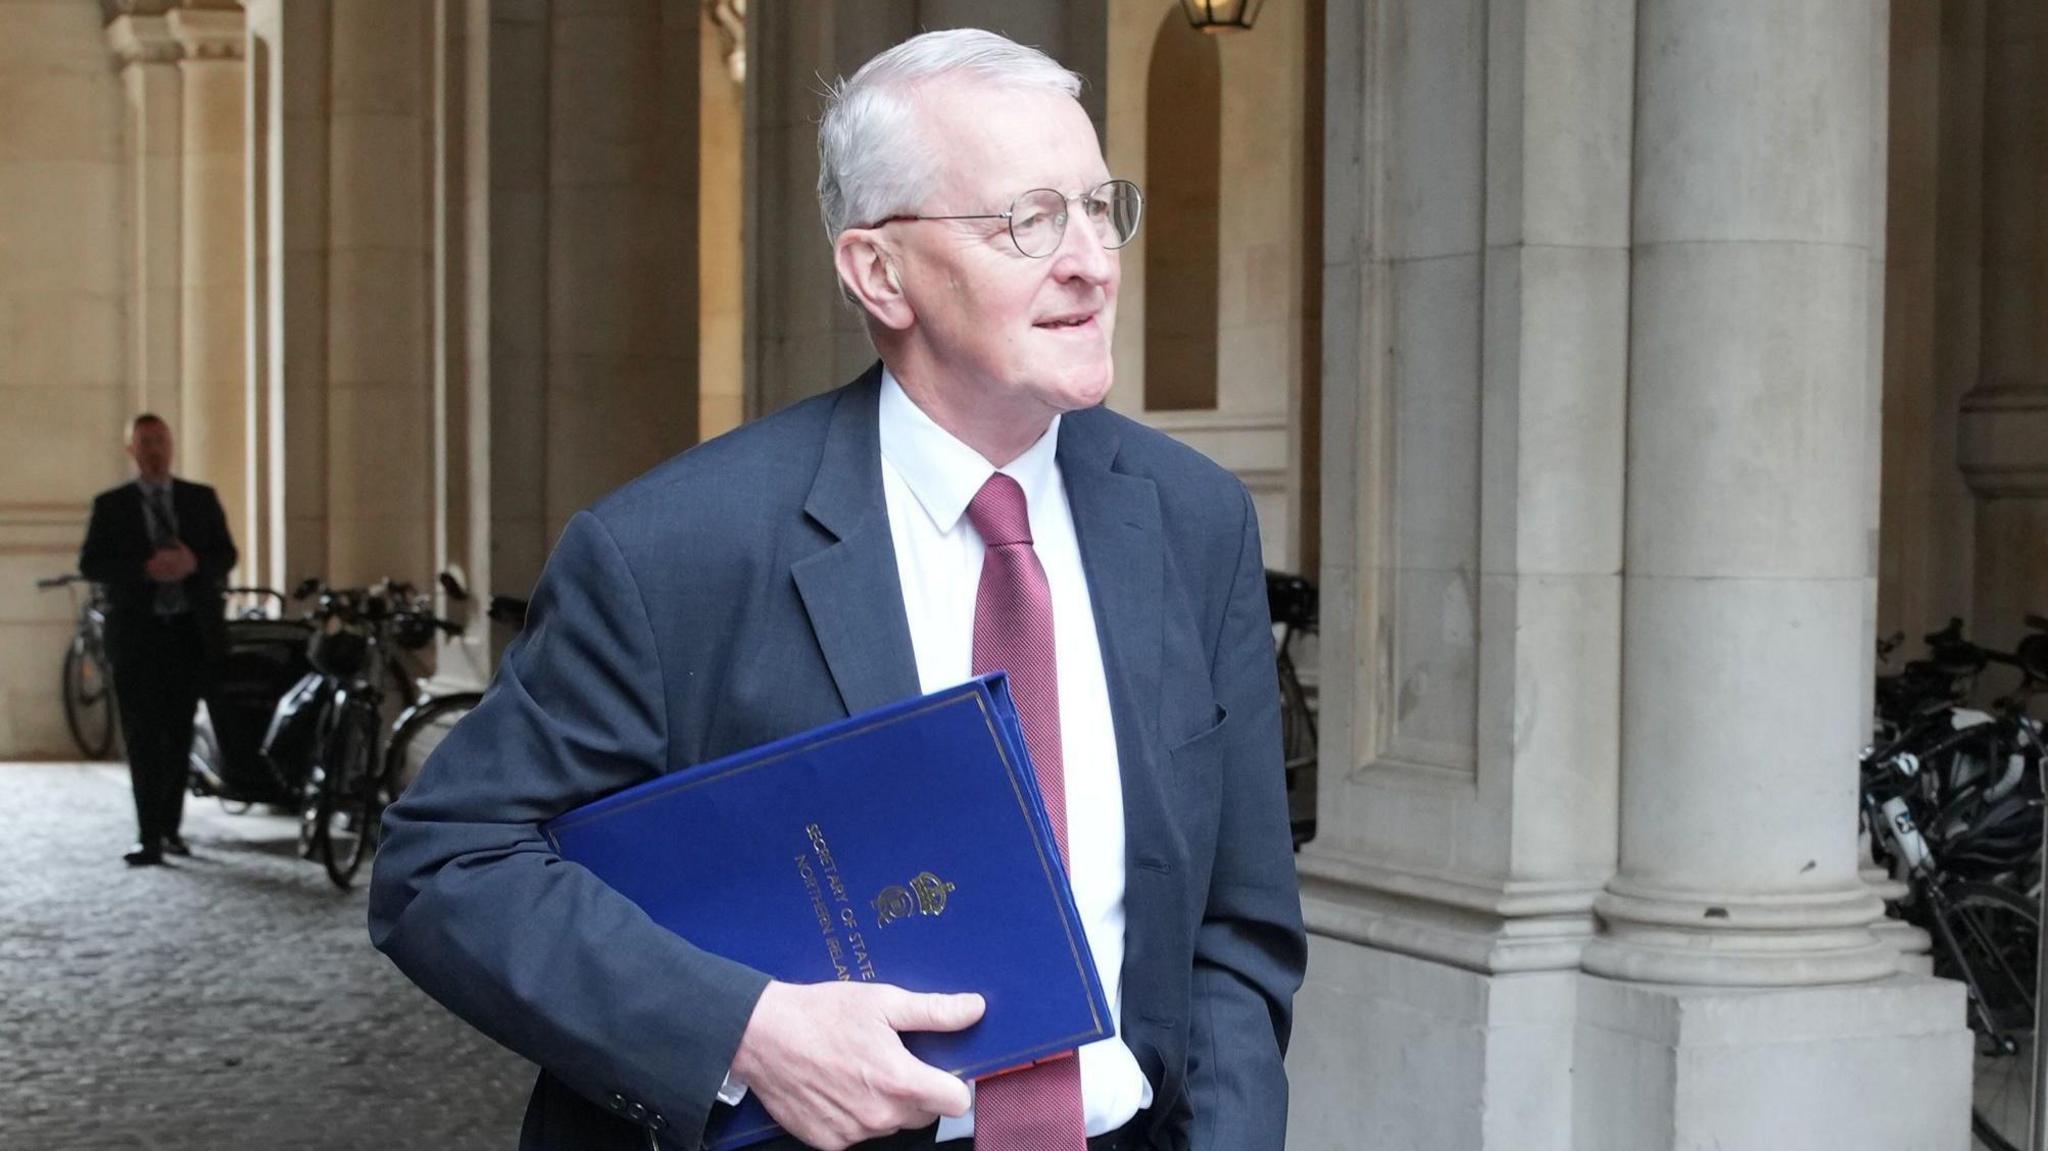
[[731, 1091]]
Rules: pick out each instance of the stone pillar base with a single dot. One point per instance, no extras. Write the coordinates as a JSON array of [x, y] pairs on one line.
[[1881, 1066], [1392, 1051]]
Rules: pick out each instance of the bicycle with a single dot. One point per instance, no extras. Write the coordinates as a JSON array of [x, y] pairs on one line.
[[88, 684], [1976, 771], [1986, 936], [265, 655], [358, 648], [1952, 798], [1294, 605], [422, 727]]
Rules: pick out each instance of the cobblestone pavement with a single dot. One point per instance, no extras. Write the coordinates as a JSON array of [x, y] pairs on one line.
[[230, 1001]]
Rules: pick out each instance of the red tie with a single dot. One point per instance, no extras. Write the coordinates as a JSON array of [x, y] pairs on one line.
[[1038, 1108]]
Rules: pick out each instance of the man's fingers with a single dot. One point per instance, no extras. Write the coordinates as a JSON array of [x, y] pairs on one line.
[[934, 1092], [824, 1060], [913, 1011]]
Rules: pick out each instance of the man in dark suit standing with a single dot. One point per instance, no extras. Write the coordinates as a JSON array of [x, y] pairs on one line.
[[162, 548], [967, 504]]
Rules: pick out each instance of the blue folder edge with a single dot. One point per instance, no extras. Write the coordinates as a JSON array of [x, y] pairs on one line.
[[749, 1122]]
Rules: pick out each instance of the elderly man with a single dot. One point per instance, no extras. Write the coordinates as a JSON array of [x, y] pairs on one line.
[[162, 548], [966, 504]]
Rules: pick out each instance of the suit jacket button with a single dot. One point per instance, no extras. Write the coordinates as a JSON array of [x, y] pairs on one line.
[[636, 1112], [655, 1122], [617, 1102]]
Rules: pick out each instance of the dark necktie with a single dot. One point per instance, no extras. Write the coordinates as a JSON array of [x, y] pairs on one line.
[[163, 528], [163, 522], [1038, 1108]]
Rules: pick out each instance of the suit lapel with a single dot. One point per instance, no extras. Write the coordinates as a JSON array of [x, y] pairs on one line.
[[138, 510], [854, 599], [850, 589], [181, 507], [1116, 519]]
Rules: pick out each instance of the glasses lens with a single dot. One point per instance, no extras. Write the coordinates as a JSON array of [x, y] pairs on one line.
[[1037, 221], [1115, 209]]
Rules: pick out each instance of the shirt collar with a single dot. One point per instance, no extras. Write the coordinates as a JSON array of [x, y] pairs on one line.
[[943, 473], [153, 488]]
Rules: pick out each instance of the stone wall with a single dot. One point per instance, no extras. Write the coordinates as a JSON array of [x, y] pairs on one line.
[[1261, 246], [66, 385], [1604, 285]]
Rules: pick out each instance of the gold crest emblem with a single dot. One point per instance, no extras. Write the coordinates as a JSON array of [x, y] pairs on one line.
[[925, 895], [893, 904]]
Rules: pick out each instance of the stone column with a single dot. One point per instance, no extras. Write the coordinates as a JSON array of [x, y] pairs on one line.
[[259, 540], [622, 245], [515, 326], [288, 190], [462, 264], [1760, 1012], [1908, 459], [215, 433], [800, 338], [721, 220], [147, 54], [1934, 235], [379, 387], [67, 182], [1750, 381], [1476, 353], [2003, 443], [588, 116]]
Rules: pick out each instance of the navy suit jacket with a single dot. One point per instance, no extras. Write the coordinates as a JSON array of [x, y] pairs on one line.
[[117, 549], [747, 590]]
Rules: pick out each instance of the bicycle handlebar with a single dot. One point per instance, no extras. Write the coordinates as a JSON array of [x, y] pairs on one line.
[[382, 604], [258, 593]]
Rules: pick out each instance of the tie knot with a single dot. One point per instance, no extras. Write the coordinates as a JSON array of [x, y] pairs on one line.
[[1000, 513]]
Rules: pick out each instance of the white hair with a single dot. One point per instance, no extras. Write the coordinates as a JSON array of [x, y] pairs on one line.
[[873, 161]]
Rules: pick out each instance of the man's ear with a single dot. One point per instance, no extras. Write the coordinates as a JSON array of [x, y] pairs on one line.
[[867, 270]]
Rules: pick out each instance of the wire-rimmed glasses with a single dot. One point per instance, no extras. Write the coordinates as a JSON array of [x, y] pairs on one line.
[[1038, 218]]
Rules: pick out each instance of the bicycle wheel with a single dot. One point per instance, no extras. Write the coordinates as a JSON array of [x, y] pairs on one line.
[[88, 699], [345, 817], [202, 760], [1988, 938], [1298, 749], [418, 732]]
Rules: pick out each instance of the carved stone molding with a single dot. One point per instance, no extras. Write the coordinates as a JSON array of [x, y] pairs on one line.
[[730, 17], [210, 33], [112, 10], [142, 39], [2002, 441]]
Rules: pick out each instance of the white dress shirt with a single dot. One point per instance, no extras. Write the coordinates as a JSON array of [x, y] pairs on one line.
[[928, 477]]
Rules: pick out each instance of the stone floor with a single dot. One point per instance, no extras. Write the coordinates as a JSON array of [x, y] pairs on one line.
[[232, 1001]]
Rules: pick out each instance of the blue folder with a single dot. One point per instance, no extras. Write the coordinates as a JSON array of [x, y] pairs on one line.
[[908, 845]]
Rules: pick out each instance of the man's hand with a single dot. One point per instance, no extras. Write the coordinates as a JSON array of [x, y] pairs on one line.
[[825, 1060], [171, 563]]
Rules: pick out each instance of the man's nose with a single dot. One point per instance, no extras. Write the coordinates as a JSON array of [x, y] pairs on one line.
[[1084, 252]]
